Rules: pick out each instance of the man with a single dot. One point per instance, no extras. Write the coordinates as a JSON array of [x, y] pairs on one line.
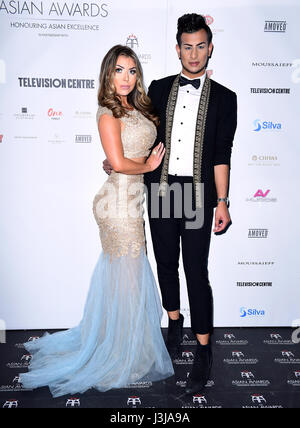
[[197, 126]]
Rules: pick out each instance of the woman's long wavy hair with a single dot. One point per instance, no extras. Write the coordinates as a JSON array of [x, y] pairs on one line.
[[107, 96]]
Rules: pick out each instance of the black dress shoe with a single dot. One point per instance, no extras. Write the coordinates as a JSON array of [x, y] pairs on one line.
[[201, 369], [175, 336]]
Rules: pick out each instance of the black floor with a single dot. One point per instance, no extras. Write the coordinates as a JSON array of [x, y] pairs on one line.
[[253, 368]]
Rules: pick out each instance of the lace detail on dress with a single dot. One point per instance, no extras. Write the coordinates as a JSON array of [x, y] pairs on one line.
[[118, 210], [118, 206]]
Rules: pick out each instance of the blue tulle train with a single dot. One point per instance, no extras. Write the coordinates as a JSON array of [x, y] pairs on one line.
[[118, 341]]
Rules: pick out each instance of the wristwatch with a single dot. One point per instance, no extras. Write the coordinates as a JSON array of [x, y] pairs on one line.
[[226, 200]]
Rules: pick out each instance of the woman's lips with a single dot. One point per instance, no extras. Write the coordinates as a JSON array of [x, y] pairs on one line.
[[125, 87]]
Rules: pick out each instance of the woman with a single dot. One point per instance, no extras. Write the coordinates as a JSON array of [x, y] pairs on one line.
[[118, 341]]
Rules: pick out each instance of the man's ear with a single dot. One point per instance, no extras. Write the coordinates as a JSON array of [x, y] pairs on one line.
[[178, 51], [210, 50]]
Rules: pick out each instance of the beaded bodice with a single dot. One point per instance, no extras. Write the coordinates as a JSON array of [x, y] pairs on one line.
[[138, 134]]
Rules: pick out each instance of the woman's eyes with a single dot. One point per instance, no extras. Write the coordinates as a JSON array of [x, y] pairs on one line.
[[119, 70]]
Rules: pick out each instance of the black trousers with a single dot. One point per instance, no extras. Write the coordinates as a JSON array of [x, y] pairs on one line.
[[167, 234]]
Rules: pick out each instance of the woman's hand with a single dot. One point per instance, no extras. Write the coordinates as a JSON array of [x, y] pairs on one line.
[[156, 156], [107, 167]]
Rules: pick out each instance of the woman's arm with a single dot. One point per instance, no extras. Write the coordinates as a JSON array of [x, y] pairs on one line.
[[110, 134]]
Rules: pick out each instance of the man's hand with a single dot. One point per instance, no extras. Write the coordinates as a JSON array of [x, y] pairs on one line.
[[107, 167], [222, 217]]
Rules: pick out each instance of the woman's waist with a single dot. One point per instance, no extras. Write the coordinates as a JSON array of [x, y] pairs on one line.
[[120, 177]]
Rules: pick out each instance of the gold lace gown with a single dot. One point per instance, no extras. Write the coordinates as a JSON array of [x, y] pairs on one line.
[[118, 341]]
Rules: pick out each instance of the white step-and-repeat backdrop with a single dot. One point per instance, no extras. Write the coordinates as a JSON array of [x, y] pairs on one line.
[[51, 156]]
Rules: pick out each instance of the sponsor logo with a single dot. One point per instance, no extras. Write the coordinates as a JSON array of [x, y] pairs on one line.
[[9, 404], [56, 139], [188, 341], [264, 160], [277, 339], [133, 42], [258, 401], [258, 233], [1, 138], [187, 354], [244, 312], [296, 379], [54, 115], [276, 65], [15, 386], [238, 357], [24, 362], [25, 138], [275, 26], [134, 401], [248, 380], [210, 21], [274, 91], [254, 284], [247, 375], [83, 115], [56, 83], [24, 115], [256, 398], [255, 263], [83, 139], [200, 401], [230, 339], [73, 402], [187, 357], [31, 339], [261, 196], [260, 125], [287, 357]]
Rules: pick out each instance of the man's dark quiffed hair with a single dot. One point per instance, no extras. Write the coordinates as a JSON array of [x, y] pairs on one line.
[[191, 23]]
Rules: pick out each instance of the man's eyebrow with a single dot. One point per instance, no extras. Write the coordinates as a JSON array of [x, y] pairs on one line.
[[198, 44]]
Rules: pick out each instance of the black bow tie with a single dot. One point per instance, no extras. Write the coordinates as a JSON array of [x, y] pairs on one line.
[[183, 81]]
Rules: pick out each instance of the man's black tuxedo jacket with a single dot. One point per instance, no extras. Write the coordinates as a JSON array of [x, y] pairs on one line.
[[218, 136]]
